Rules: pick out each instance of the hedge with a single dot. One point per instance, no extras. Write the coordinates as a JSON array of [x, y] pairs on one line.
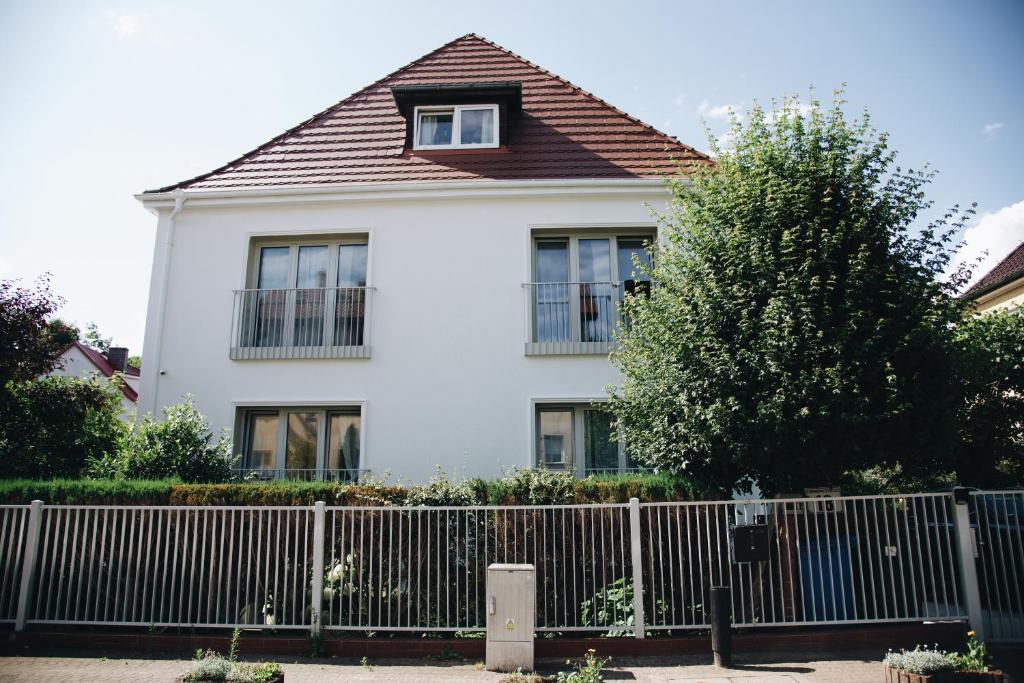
[[516, 490]]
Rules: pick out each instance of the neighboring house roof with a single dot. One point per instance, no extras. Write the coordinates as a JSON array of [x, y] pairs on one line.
[[103, 365], [1006, 271], [564, 132]]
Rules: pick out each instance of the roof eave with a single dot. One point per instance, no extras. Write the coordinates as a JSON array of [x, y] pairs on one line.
[[418, 189]]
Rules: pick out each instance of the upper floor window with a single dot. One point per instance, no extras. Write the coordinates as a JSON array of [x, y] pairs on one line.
[[456, 127], [579, 282], [305, 299]]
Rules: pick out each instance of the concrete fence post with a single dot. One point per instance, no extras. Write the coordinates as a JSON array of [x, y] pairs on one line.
[[967, 551], [28, 566], [316, 601], [638, 571]]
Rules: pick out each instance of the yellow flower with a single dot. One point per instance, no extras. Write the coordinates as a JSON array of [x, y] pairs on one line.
[[971, 634]]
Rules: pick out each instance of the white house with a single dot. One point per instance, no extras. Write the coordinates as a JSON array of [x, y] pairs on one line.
[[424, 274], [81, 360]]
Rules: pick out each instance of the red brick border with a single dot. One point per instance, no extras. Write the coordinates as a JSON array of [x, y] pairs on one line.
[[950, 636]]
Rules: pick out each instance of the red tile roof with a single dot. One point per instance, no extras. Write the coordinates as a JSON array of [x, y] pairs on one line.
[[103, 365], [564, 132], [1009, 269]]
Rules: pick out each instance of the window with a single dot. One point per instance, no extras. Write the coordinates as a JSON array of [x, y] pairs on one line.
[[580, 438], [301, 443], [577, 283], [456, 127], [306, 295]]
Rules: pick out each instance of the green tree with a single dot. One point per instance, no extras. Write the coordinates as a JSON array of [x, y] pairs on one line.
[[52, 426], [181, 445], [96, 340], [30, 342], [798, 326], [991, 373]]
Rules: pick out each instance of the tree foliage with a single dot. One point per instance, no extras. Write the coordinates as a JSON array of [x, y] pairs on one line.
[[96, 340], [991, 355], [50, 427], [799, 326], [180, 446], [30, 344]]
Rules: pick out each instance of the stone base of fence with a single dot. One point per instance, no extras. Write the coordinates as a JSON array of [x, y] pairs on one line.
[[948, 635]]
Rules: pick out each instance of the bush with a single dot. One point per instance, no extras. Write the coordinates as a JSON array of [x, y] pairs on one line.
[[53, 426], [920, 660], [181, 445], [86, 492], [514, 489]]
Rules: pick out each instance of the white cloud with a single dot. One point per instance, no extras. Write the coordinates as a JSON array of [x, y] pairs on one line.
[[726, 141], [721, 111], [679, 100], [125, 25], [991, 130], [997, 233]]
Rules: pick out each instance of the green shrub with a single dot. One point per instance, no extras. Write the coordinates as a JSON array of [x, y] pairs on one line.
[[587, 671], [86, 492], [519, 488], [181, 445], [51, 427]]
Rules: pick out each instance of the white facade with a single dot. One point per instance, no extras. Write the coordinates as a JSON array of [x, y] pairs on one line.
[[447, 382]]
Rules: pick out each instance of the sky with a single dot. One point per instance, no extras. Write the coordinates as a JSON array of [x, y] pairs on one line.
[[100, 100]]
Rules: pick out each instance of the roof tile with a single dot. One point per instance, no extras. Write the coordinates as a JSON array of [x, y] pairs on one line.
[[565, 132], [1009, 269]]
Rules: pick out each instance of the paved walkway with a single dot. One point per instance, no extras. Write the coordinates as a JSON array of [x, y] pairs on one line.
[[786, 668]]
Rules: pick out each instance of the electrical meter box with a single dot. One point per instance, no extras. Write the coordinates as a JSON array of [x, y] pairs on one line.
[[511, 616], [749, 543]]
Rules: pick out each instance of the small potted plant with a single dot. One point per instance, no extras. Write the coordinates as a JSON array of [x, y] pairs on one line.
[[209, 666], [924, 665]]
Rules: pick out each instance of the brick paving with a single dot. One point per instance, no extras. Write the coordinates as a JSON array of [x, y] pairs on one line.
[[821, 667]]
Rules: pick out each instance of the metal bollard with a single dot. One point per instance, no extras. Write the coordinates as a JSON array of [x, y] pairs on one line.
[[721, 626]]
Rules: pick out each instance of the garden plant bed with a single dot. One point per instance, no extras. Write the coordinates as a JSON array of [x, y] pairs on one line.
[[893, 675]]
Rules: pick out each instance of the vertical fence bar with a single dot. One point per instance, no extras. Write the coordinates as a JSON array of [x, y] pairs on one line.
[[316, 599], [966, 554], [638, 571], [28, 568]]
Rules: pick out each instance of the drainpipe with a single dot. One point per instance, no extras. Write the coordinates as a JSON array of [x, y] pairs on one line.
[[167, 249]]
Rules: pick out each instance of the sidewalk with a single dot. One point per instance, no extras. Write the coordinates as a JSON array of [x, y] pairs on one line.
[[846, 667]]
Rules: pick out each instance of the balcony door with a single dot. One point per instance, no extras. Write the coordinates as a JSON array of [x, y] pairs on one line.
[[578, 280], [306, 295]]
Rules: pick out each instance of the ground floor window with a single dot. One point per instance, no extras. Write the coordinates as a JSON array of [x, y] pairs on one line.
[[580, 438], [301, 443]]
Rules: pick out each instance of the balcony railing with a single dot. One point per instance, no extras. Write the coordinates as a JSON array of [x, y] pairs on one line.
[[259, 474], [329, 322], [574, 317]]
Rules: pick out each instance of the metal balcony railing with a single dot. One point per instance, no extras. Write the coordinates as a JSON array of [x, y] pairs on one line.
[[574, 317], [344, 476], [328, 322]]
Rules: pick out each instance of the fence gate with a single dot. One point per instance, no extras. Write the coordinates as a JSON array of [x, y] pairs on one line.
[[997, 518]]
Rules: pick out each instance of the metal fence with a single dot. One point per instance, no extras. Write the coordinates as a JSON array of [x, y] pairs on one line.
[[616, 568], [998, 518], [13, 526]]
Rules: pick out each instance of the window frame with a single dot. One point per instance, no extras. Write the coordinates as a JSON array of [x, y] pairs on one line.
[[332, 242], [456, 110], [571, 236], [578, 457], [243, 420]]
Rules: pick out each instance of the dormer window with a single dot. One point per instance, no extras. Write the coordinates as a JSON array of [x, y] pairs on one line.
[[456, 127]]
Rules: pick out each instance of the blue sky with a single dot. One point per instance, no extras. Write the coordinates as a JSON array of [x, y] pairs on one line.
[[100, 100]]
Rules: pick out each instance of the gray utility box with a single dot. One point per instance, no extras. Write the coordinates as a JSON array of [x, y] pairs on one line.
[[511, 616]]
